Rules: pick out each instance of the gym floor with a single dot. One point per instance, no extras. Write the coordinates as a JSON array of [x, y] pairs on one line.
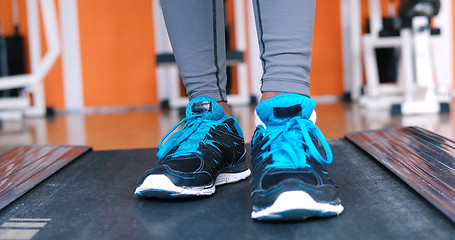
[[143, 128], [67, 203]]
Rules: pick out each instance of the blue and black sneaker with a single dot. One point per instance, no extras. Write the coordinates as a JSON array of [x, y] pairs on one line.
[[208, 151], [289, 180]]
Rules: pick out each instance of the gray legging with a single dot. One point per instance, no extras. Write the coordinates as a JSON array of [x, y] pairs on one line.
[[285, 35]]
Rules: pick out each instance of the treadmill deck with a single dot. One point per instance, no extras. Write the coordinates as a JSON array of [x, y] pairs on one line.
[[92, 198]]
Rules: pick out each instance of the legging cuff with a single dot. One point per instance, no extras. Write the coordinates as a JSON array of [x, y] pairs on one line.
[[286, 85]]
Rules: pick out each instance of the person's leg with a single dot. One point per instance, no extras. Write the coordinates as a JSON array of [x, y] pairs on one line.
[[196, 30], [285, 35], [289, 180], [209, 149]]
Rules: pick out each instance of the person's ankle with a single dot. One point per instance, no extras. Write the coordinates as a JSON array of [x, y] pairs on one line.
[[226, 108], [267, 95]]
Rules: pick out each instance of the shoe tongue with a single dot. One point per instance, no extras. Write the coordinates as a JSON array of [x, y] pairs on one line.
[[205, 106], [280, 109]]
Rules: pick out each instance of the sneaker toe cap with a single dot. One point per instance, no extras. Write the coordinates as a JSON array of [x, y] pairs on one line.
[[180, 178]]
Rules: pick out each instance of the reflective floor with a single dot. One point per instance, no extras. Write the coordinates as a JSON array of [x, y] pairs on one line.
[[144, 129]]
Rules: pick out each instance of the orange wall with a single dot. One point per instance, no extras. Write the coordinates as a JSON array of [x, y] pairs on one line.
[[53, 83], [326, 68], [117, 52]]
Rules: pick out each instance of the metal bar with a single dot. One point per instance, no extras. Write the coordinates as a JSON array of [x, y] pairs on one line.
[[422, 159]]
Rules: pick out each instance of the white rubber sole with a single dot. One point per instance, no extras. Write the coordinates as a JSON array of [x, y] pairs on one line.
[[296, 205], [154, 185]]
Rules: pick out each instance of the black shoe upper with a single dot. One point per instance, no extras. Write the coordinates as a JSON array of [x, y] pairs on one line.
[[208, 144], [269, 183], [286, 153], [224, 154]]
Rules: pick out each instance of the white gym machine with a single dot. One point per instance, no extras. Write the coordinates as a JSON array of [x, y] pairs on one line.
[[31, 100], [420, 87]]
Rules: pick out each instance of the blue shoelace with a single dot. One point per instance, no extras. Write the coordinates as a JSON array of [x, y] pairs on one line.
[[192, 133], [291, 145]]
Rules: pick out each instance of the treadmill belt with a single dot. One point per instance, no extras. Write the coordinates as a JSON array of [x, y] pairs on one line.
[[423, 159], [92, 198], [24, 167]]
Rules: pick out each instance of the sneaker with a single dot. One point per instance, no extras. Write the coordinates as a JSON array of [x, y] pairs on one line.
[[208, 151], [289, 179]]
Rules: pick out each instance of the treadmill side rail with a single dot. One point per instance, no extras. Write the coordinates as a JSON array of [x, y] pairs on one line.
[[422, 159]]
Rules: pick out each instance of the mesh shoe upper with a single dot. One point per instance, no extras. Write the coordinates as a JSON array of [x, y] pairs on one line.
[[286, 152], [208, 143]]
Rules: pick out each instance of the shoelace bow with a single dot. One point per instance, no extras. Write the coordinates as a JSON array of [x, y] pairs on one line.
[[294, 143], [193, 125]]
